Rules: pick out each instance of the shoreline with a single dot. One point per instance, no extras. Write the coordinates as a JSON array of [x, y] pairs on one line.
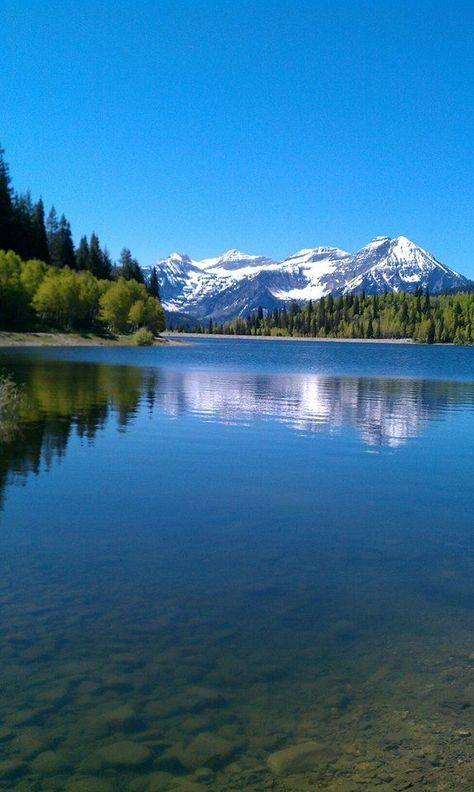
[[169, 334], [44, 339], [10, 339]]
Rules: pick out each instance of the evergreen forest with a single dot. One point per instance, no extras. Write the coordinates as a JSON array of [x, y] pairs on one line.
[[444, 318], [46, 282]]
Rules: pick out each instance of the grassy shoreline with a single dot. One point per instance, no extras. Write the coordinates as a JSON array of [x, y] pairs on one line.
[[10, 339]]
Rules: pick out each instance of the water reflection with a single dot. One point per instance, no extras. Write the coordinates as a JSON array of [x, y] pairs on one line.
[[64, 398], [60, 399], [383, 411], [185, 617]]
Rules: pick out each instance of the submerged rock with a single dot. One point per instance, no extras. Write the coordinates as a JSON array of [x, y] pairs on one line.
[[152, 782], [31, 741], [124, 753], [89, 784], [186, 785], [209, 750], [199, 698], [11, 768], [6, 734], [25, 717], [297, 758], [205, 750], [49, 763], [53, 695], [121, 718]]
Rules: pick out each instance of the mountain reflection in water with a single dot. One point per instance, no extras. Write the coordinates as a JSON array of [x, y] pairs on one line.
[[383, 411], [85, 396], [63, 398], [205, 558]]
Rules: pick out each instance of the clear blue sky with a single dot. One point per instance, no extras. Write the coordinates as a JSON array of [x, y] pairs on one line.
[[267, 126]]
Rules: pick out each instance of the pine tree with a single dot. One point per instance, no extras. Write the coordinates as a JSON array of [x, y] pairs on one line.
[[67, 245], [52, 228], [96, 261], [427, 303], [153, 287], [129, 268], [39, 233], [22, 226], [83, 255], [6, 205], [60, 244], [107, 264], [431, 332]]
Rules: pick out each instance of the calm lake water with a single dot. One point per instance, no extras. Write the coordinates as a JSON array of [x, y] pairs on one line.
[[238, 565]]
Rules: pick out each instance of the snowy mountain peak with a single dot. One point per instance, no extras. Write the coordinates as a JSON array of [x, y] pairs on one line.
[[182, 257], [233, 260], [237, 283], [234, 255], [377, 242], [310, 255]]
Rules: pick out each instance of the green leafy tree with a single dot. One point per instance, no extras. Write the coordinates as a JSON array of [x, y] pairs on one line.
[[116, 303], [13, 297], [126, 305], [68, 300], [32, 275]]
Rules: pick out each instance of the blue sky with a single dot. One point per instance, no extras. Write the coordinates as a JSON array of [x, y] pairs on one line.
[[265, 126]]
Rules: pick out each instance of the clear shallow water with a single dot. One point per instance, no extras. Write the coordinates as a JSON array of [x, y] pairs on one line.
[[214, 553]]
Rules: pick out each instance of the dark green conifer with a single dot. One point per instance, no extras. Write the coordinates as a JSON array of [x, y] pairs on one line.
[[60, 244], [431, 332], [129, 268], [52, 228], [96, 261], [39, 233], [83, 254], [22, 226], [6, 205], [153, 286]]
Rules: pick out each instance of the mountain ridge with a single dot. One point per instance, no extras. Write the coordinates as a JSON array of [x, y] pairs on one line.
[[236, 283]]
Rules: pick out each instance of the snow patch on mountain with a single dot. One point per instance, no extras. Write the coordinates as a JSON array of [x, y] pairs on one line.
[[236, 283]]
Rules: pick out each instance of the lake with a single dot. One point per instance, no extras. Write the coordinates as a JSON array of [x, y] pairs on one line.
[[238, 565]]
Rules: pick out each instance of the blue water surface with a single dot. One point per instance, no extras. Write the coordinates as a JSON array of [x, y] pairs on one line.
[[218, 552]]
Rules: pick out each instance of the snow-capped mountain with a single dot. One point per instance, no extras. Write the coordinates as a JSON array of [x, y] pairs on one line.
[[236, 283]]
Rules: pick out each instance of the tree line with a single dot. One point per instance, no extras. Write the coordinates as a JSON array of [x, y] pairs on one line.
[[46, 282], [25, 230], [444, 318], [35, 296]]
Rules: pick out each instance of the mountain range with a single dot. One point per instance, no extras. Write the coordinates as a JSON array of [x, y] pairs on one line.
[[235, 283]]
